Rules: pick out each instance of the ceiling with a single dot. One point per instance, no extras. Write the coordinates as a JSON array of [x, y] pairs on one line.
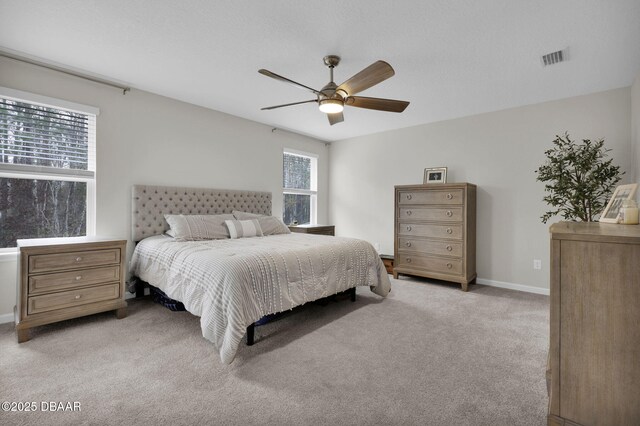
[[452, 58]]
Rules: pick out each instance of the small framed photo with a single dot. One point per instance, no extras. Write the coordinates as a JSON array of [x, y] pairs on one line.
[[622, 192], [435, 175]]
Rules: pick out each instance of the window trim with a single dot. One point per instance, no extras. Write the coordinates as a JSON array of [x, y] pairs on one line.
[[313, 192], [19, 95], [20, 171]]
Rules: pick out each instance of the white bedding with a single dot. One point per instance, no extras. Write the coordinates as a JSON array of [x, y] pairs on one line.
[[230, 284]]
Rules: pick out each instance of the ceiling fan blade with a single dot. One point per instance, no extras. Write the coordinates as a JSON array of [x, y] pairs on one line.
[[390, 105], [335, 118], [286, 105], [375, 73], [286, 80]]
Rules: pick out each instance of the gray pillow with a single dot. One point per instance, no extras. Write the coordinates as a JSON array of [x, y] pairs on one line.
[[198, 227], [270, 225], [244, 228]]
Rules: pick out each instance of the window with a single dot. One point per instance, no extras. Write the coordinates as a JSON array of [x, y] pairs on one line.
[[47, 167], [299, 187]]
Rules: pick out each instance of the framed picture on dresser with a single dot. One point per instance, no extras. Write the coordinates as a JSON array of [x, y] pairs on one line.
[[622, 193], [435, 175]]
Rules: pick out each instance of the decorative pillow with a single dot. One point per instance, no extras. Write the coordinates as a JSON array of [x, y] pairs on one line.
[[270, 225], [244, 228], [197, 227]]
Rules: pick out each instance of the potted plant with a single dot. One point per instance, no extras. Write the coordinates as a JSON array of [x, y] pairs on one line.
[[578, 178]]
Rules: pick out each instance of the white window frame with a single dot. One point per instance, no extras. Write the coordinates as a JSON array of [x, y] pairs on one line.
[[18, 171], [313, 191]]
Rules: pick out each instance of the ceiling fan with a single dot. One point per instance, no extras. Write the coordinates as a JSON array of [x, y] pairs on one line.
[[332, 98]]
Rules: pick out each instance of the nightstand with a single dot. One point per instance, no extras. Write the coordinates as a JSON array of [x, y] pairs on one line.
[[387, 260], [63, 278], [314, 229]]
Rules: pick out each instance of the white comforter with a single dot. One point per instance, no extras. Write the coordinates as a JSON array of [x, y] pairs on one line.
[[230, 284]]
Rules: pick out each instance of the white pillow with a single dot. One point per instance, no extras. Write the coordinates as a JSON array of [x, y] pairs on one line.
[[197, 227], [244, 228], [270, 225]]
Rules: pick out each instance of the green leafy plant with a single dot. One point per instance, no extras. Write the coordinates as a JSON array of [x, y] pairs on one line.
[[578, 177]]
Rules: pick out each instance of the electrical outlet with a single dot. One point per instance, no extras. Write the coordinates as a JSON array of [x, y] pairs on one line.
[[377, 247], [537, 264]]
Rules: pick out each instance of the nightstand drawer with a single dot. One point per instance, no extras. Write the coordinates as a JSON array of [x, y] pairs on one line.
[[451, 214], [314, 229], [79, 259], [65, 280], [453, 231], [67, 299], [442, 248], [453, 196], [436, 264]]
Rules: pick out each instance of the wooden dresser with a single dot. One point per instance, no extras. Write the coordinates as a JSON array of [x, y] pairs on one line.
[[435, 232], [594, 353], [63, 278], [314, 229]]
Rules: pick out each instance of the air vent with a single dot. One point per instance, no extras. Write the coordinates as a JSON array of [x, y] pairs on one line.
[[554, 57]]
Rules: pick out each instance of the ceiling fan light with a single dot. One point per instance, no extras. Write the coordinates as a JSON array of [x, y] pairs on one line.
[[331, 106]]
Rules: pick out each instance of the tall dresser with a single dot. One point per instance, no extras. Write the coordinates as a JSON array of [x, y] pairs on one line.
[[435, 232], [594, 352]]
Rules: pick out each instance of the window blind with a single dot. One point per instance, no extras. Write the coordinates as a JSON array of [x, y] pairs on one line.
[[296, 172], [37, 139]]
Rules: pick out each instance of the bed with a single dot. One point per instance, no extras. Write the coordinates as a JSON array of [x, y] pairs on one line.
[[232, 283]]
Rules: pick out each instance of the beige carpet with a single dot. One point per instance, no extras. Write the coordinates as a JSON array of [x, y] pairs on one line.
[[427, 355]]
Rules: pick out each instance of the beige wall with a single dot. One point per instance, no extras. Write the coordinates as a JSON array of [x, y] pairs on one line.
[[499, 152], [150, 139], [142, 138]]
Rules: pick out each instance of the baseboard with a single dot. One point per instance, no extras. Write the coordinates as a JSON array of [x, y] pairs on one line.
[[5, 318], [512, 286]]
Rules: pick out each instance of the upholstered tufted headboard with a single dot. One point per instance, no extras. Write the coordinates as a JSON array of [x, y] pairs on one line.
[[151, 203]]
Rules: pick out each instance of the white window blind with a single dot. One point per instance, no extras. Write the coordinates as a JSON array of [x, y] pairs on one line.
[[45, 140]]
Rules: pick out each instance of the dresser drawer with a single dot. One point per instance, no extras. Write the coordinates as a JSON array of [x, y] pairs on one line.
[[72, 260], [436, 264], [67, 299], [444, 248], [65, 280], [451, 214], [453, 231], [453, 196]]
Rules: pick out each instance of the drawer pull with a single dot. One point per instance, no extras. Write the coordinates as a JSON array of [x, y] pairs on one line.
[[78, 259], [449, 213], [449, 265], [408, 260], [408, 243], [449, 230], [408, 212], [408, 228], [79, 277], [449, 196], [449, 248], [409, 196], [77, 296]]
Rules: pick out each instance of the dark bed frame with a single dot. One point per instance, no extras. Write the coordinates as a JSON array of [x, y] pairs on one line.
[[251, 329]]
